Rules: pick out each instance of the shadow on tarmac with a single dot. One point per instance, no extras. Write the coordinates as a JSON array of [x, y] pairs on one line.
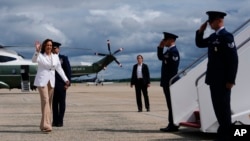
[[185, 134]]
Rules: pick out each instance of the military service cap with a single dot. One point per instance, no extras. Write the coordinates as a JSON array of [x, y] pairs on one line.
[[56, 45], [169, 35], [212, 15]]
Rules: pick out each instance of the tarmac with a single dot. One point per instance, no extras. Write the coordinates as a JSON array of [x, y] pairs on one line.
[[93, 113]]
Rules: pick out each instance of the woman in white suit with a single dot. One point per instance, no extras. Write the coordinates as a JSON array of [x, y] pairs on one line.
[[45, 79]]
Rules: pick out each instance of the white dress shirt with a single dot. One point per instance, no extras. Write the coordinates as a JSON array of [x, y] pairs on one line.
[[46, 69], [139, 71]]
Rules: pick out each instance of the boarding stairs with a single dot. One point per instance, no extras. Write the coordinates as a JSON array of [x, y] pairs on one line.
[[25, 79], [190, 96], [25, 86]]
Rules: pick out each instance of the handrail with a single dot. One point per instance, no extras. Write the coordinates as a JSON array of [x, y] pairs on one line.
[[238, 29], [202, 56], [198, 79], [184, 70], [243, 43]]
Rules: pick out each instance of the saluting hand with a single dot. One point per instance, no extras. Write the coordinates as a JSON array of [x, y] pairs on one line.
[[203, 27], [162, 44]]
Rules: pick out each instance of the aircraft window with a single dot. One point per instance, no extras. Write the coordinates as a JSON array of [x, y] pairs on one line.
[[6, 58]]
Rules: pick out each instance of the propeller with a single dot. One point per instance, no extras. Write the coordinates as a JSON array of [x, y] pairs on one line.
[[100, 54], [120, 49], [120, 65], [111, 54], [108, 44]]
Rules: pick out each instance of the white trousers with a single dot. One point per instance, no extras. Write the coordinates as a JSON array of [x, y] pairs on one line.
[[46, 96]]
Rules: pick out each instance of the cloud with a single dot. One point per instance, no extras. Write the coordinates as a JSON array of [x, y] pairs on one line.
[[136, 26]]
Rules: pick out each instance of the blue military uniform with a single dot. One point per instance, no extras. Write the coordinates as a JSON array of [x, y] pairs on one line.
[[222, 57], [221, 69], [59, 98], [170, 63]]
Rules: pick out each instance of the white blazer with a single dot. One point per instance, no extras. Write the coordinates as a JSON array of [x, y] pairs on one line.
[[46, 69]]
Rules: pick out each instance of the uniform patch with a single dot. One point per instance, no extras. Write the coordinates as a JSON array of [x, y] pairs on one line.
[[165, 62], [166, 56], [215, 49], [216, 42], [175, 58], [231, 45]]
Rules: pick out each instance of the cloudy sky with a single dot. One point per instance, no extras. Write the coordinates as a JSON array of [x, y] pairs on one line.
[[135, 25]]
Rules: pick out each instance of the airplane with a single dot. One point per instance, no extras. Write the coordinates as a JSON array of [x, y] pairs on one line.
[[17, 72]]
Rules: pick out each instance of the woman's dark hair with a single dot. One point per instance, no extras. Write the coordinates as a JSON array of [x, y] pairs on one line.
[[139, 56], [44, 44]]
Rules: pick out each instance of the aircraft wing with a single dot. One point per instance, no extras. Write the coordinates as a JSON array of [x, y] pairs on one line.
[[102, 83], [91, 83], [105, 83], [4, 85]]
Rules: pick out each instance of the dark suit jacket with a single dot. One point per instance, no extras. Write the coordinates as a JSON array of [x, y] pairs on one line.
[[66, 68], [222, 57], [145, 74]]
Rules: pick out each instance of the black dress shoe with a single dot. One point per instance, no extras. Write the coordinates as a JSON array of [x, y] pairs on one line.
[[59, 125], [148, 110], [54, 124], [170, 129], [139, 110]]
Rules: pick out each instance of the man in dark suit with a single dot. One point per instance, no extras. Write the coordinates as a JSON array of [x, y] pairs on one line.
[[141, 79], [170, 63], [59, 98], [221, 68]]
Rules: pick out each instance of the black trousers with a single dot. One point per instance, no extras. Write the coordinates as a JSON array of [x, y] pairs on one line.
[[59, 104], [221, 103], [169, 105], [141, 87]]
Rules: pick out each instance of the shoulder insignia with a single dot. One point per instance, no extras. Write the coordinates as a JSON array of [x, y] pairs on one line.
[[231, 45], [175, 58]]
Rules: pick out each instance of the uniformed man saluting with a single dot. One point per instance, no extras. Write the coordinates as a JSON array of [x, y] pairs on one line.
[[170, 63], [221, 68]]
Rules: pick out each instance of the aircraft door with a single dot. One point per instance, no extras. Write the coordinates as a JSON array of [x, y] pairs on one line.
[[25, 72], [25, 83]]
